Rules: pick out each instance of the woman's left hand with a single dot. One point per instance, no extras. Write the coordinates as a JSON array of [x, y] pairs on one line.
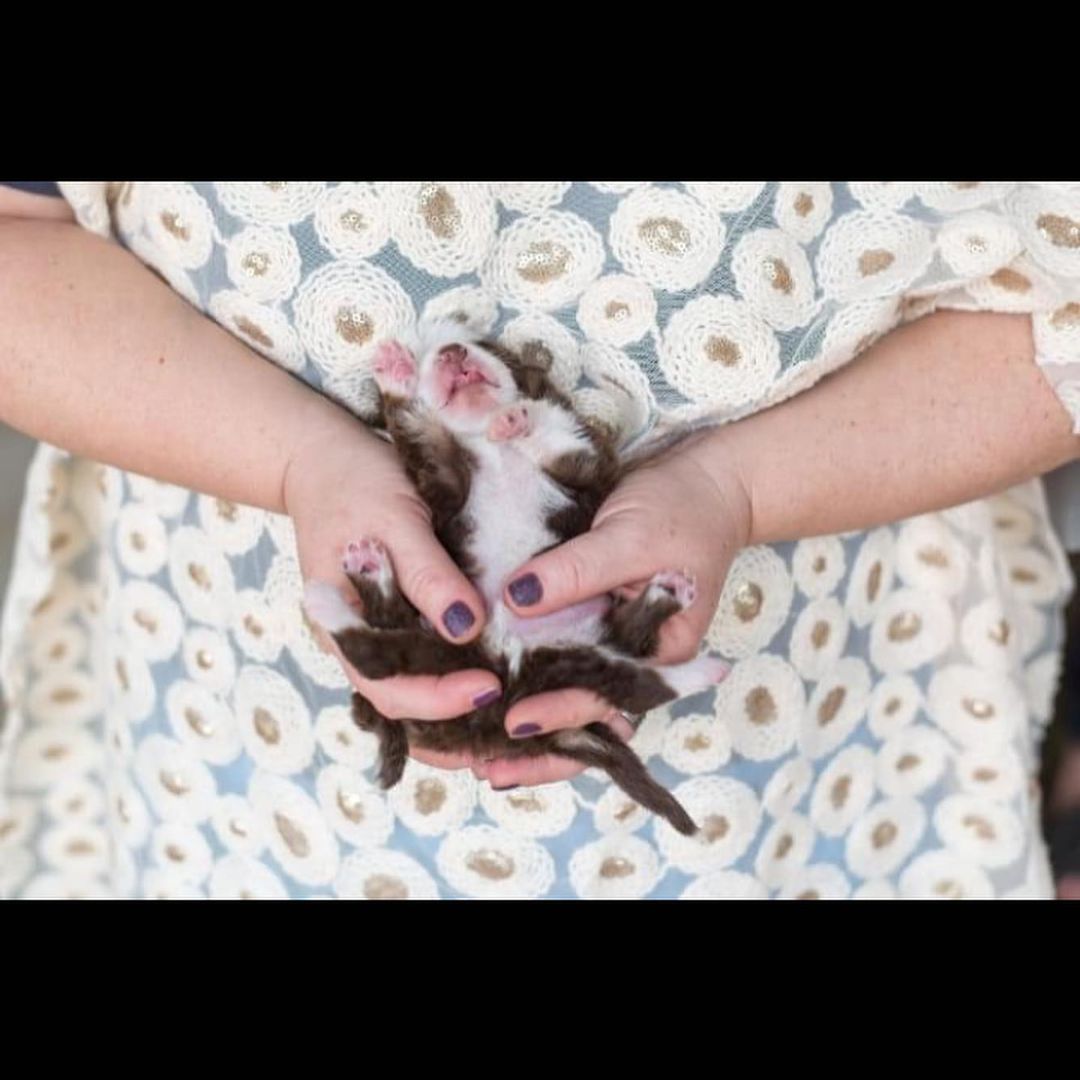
[[680, 511]]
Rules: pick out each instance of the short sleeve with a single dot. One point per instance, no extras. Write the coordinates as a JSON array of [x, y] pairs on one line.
[[34, 187]]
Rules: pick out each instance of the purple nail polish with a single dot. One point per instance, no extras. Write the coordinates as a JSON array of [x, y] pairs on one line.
[[458, 618], [526, 591], [522, 730], [487, 697]]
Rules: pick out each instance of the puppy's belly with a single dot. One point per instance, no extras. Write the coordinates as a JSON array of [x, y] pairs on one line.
[[581, 624]]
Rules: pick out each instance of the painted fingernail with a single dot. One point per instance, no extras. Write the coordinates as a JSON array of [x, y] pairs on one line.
[[458, 619], [527, 590], [487, 697], [523, 730]]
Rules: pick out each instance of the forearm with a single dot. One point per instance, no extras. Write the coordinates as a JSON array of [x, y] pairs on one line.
[[100, 357], [939, 412]]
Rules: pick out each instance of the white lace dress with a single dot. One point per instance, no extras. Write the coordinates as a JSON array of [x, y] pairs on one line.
[[174, 731]]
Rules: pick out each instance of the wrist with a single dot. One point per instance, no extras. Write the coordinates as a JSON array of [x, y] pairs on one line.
[[716, 452]]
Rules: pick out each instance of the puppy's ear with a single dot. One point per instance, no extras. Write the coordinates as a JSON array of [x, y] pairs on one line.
[[531, 369]]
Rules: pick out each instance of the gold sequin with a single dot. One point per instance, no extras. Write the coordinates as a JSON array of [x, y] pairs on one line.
[[828, 709], [430, 796], [226, 510], [175, 225], [253, 626], [493, 865], [266, 725], [351, 805], [385, 887], [173, 783], [839, 792], [7, 827], [138, 541], [236, 827], [439, 211], [256, 263], [174, 853], [122, 676], [64, 695], [783, 846], [819, 564], [985, 776], [615, 866], [58, 541], [873, 582], [980, 827], [625, 811], [904, 627], [55, 752], [979, 708], [198, 723], [804, 204], [949, 889], [253, 331], [1061, 231], [666, 236], [295, 839], [543, 261], [617, 310], [908, 761], [354, 326], [1000, 633], [809, 894], [884, 834], [697, 742], [722, 350], [874, 261], [779, 275], [1023, 576], [275, 185], [1010, 280], [1067, 316], [200, 576], [819, 636], [748, 601], [892, 705], [716, 828], [353, 220], [933, 556], [80, 847], [975, 244], [760, 706], [528, 801]]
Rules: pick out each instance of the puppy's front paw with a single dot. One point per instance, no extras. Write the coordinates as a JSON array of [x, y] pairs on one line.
[[395, 370], [512, 423], [677, 585], [369, 559]]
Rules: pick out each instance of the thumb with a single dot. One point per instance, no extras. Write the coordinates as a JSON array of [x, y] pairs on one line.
[[435, 585], [594, 563]]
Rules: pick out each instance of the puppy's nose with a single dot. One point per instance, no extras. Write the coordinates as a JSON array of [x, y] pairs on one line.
[[454, 354]]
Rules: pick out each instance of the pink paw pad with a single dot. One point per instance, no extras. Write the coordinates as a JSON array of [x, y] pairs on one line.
[[681, 586], [511, 423], [394, 369], [366, 558]]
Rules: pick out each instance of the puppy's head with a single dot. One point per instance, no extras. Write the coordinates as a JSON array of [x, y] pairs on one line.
[[447, 373]]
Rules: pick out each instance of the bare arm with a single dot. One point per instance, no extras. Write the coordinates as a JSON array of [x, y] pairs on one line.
[[939, 412], [100, 357]]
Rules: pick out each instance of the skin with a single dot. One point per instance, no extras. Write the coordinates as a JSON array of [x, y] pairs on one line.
[[936, 413]]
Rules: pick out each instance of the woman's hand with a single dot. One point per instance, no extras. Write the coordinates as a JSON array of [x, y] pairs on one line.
[[674, 513], [342, 484]]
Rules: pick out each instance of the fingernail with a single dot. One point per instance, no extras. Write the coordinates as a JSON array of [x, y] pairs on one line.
[[458, 618], [487, 697], [524, 729], [526, 591]]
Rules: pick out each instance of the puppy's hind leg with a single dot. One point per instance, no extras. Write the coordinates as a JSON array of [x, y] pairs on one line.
[[393, 743], [599, 747], [367, 564], [633, 627]]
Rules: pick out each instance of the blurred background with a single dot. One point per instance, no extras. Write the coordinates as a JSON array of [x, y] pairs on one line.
[[15, 454]]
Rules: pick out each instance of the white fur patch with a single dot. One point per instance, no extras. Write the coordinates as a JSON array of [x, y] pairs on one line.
[[327, 607]]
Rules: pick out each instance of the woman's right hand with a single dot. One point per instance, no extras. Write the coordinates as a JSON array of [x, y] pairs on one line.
[[344, 483]]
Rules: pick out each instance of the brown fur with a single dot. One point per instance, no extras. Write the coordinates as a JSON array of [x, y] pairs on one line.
[[395, 642]]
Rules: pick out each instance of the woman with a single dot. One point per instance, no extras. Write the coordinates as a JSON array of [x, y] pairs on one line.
[[879, 731]]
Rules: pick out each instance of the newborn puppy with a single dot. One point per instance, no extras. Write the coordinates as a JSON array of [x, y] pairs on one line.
[[508, 470]]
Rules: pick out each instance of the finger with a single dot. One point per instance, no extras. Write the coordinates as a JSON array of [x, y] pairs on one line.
[[555, 711], [529, 772], [435, 585], [429, 697], [589, 565]]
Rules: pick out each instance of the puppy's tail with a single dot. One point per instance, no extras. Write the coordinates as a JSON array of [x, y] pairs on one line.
[[599, 747]]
